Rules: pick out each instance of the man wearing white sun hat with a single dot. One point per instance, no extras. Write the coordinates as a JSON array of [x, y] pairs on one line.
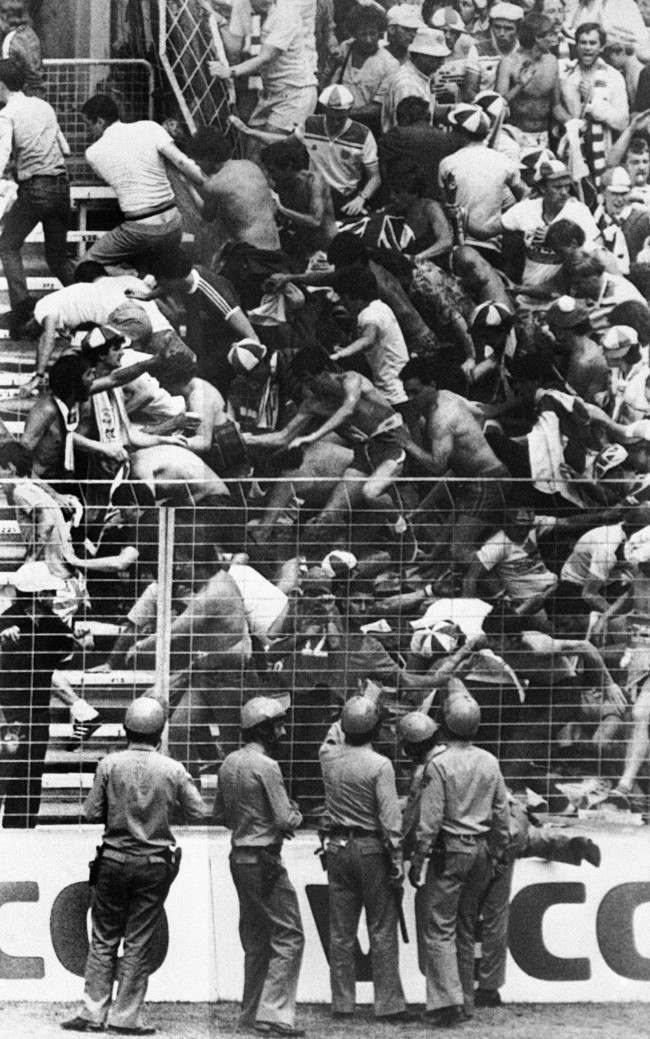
[[414, 78]]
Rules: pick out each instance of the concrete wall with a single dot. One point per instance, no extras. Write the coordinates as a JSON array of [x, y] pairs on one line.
[[74, 28]]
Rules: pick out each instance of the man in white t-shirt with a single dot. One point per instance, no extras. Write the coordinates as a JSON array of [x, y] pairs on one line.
[[131, 157], [380, 338], [512, 555], [284, 62], [529, 220], [596, 560], [482, 176], [91, 300]]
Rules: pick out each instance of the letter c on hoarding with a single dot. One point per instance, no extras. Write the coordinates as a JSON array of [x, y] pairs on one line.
[[615, 930], [525, 933], [69, 933], [19, 967]]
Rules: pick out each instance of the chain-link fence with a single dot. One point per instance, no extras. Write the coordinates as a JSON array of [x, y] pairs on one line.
[[69, 84], [542, 614]]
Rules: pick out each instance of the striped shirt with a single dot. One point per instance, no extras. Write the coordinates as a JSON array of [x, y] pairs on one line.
[[406, 81], [211, 294], [340, 160]]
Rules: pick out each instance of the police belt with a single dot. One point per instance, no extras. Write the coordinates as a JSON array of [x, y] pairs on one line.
[[165, 855], [350, 832]]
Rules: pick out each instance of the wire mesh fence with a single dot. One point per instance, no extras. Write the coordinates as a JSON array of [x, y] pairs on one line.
[[69, 83], [543, 614]]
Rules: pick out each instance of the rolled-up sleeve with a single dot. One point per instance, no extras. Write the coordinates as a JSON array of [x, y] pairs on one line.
[[285, 816], [388, 810], [432, 807], [95, 806]]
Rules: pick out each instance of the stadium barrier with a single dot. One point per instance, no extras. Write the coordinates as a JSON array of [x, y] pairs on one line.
[[219, 607], [576, 935]]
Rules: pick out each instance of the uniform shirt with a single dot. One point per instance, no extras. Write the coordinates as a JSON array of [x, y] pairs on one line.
[[128, 156], [30, 131], [388, 355], [527, 216], [252, 800], [406, 81], [134, 794], [594, 555], [360, 790], [282, 28], [518, 565], [340, 160], [369, 82], [464, 795]]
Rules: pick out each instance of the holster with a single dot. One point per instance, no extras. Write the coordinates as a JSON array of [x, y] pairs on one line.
[[93, 867], [271, 869], [173, 858], [438, 855]]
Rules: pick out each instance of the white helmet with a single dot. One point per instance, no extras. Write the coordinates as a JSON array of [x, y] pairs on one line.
[[144, 716], [259, 710]]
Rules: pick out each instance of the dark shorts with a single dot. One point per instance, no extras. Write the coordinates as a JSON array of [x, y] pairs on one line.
[[385, 447]]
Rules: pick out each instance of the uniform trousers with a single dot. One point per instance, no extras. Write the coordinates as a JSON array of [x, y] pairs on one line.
[[495, 909], [128, 902], [270, 930], [446, 911], [359, 879]]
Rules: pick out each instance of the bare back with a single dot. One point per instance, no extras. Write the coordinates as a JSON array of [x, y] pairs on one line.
[[241, 198], [455, 438]]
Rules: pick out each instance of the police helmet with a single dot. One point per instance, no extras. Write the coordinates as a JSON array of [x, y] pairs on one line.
[[360, 715], [144, 716], [259, 710], [416, 727], [460, 710]]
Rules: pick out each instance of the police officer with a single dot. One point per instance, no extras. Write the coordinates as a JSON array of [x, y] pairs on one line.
[[526, 841], [364, 858], [134, 794], [252, 802], [463, 826]]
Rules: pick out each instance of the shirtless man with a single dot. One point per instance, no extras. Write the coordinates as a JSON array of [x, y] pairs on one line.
[[454, 446], [304, 198], [528, 78], [237, 193], [348, 405]]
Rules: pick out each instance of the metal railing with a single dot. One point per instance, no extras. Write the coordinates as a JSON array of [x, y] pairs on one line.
[[549, 629]]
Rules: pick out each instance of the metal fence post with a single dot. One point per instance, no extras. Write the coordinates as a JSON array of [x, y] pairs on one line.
[[164, 628]]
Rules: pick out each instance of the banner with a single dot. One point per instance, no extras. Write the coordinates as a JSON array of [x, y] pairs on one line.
[[577, 934]]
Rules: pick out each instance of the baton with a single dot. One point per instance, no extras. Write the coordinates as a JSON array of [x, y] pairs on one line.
[[399, 895]]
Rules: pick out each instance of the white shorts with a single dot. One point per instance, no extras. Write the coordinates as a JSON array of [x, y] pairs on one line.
[[284, 109]]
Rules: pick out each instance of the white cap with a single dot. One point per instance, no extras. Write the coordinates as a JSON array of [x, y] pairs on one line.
[[448, 18], [430, 41], [637, 547], [246, 355], [506, 12], [337, 96], [618, 339], [467, 614], [551, 169], [338, 563], [35, 577], [617, 180], [405, 15]]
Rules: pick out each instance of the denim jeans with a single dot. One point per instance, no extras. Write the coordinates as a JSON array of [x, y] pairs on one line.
[[43, 200], [127, 903]]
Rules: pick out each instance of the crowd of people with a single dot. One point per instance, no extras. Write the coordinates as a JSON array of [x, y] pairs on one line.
[[397, 393], [395, 390]]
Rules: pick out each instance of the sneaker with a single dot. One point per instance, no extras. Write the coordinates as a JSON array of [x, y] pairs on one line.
[[444, 1017], [585, 849]]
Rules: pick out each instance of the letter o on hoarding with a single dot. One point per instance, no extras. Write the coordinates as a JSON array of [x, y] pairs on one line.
[[69, 932], [615, 930], [526, 939]]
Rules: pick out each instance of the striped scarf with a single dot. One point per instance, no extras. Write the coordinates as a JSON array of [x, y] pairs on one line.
[[593, 137]]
